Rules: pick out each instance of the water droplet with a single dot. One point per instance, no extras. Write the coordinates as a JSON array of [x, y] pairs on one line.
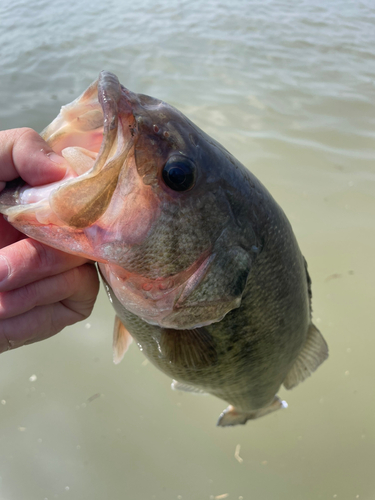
[[22, 429], [88, 326], [67, 488], [33, 378], [347, 372], [3, 402]]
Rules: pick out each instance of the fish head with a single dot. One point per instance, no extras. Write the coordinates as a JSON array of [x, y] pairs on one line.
[[161, 206]]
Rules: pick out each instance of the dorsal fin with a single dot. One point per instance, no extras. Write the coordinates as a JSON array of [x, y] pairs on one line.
[[192, 349], [121, 340], [313, 353]]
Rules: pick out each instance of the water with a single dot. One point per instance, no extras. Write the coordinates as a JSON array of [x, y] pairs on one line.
[[288, 88]]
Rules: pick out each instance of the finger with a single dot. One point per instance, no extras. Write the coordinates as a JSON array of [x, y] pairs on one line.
[[36, 325], [8, 234], [23, 153], [44, 321], [28, 260], [77, 285]]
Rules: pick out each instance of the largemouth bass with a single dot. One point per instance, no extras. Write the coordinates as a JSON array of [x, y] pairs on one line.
[[198, 260]]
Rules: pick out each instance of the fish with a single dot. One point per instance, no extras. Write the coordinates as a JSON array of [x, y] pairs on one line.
[[198, 260]]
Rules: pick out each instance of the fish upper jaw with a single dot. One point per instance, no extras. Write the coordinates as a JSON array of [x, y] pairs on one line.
[[102, 206]]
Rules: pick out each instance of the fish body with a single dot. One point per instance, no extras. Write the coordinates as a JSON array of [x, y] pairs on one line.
[[198, 260]]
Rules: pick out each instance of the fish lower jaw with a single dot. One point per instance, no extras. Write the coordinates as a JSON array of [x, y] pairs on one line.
[[31, 204]]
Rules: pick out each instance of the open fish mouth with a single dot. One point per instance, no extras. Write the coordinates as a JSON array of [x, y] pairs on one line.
[[95, 141], [96, 134]]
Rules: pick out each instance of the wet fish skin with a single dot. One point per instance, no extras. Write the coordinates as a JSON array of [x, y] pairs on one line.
[[244, 358], [209, 281]]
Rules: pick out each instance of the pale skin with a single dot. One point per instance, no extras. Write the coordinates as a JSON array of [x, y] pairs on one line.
[[42, 290]]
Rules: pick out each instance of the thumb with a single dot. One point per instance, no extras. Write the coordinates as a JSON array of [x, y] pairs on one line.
[[23, 153]]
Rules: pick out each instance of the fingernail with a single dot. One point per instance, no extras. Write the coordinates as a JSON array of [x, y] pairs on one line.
[[4, 268], [59, 160]]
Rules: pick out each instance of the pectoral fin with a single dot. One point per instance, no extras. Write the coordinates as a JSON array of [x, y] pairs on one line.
[[313, 353], [121, 340], [191, 349]]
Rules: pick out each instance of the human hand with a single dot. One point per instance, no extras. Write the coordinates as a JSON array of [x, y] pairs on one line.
[[42, 289]]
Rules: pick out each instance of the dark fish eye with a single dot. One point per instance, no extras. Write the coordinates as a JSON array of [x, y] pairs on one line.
[[179, 173]]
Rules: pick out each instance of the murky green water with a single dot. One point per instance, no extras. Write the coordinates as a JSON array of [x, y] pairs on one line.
[[288, 87]]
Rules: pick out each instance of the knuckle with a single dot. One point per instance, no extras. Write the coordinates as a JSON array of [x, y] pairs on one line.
[[28, 296], [14, 134], [22, 135], [26, 131], [43, 256], [84, 284]]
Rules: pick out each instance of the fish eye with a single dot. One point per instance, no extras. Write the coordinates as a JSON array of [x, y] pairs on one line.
[[179, 173]]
